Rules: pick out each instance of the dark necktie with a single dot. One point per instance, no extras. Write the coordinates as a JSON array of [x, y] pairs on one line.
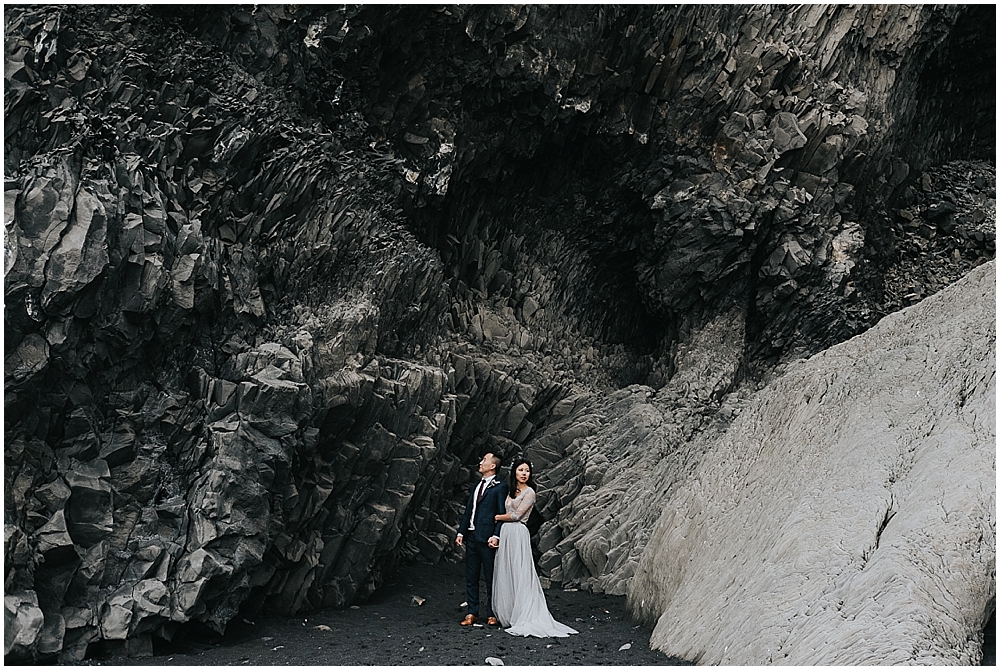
[[482, 490]]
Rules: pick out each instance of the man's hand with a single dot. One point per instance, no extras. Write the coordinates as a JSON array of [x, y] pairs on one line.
[[458, 539], [494, 542]]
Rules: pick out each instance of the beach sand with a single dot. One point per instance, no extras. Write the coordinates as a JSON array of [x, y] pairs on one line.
[[391, 629]]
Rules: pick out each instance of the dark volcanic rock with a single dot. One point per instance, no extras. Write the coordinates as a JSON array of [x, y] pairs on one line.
[[275, 276], [946, 228]]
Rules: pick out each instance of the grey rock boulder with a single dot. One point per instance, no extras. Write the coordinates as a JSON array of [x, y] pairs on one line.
[[22, 623], [90, 514], [786, 133]]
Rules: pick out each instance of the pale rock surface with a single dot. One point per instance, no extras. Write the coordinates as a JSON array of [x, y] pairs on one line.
[[848, 516], [631, 449]]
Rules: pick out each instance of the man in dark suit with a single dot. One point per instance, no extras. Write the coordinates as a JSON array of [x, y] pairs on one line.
[[479, 533]]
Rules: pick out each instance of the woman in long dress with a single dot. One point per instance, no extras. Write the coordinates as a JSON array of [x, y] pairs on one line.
[[518, 600]]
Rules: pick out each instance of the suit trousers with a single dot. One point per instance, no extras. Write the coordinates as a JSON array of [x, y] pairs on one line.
[[479, 557]]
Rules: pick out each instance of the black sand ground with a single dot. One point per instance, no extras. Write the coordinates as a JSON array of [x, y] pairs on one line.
[[390, 630]]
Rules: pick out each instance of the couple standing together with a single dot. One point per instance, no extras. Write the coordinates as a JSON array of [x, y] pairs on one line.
[[498, 545]]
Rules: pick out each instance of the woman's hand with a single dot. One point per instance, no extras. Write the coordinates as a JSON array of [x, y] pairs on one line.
[[498, 517]]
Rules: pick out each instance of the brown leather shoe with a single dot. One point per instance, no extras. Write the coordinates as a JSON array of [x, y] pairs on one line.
[[492, 621], [468, 620]]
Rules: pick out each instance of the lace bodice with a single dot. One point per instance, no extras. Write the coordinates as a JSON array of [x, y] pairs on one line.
[[520, 507]]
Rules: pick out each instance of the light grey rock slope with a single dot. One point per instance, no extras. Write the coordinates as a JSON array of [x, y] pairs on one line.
[[848, 516]]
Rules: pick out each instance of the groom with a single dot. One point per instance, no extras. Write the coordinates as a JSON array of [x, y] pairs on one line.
[[486, 500]]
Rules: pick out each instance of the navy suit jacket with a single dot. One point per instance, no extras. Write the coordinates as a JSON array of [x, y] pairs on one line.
[[493, 503]]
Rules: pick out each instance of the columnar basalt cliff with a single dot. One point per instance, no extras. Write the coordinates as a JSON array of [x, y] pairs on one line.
[[275, 276]]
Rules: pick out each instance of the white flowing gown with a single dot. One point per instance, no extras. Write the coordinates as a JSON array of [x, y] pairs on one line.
[[518, 600]]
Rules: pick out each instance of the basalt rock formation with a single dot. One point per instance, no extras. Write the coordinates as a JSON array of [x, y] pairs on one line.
[[275, 276]]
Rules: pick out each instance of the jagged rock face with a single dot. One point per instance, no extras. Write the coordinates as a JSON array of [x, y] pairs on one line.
[[847, 517], [635, 172], [275, 276], [203, 312], [686, 160]]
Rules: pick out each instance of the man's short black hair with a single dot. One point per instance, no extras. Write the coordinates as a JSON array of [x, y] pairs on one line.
[[497, 457]]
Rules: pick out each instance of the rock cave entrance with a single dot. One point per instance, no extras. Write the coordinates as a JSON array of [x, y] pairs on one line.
[[557, 230], [954, 112]]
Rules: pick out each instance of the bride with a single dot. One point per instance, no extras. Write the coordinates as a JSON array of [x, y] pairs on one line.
[[518, 600]]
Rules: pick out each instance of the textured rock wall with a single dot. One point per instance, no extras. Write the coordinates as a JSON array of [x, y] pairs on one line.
[[788, 268], [691, 160], [204, 305], [276, 275], [847, 517]]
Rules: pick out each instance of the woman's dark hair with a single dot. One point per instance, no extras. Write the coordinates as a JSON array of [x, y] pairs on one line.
[[513, 475]]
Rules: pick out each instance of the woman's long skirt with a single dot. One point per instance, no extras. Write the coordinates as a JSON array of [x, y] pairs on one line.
[[518, 600]]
